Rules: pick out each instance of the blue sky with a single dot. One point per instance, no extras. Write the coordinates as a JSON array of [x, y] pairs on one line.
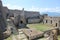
[[33, 5]]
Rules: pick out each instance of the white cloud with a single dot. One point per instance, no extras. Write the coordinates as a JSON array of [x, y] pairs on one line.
[[12, 6], [56, 9], [33, 8]]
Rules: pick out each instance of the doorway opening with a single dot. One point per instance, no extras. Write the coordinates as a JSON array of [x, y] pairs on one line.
[[46, 21], [21, 22], [56, 24], [51, 21]]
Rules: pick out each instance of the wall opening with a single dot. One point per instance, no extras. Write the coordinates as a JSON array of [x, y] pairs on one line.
[[21, 22], [51, 21], [56, 24], [46, 21]]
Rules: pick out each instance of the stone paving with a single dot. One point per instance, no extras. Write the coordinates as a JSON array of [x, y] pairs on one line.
[[22, 35], [13, 37]]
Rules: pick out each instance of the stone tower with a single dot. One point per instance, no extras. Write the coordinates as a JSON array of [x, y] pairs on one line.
[[22, 21], [23, 16], [2, 21]]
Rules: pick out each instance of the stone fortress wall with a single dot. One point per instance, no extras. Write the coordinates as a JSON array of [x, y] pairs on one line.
[[53, 21], [31, 17]]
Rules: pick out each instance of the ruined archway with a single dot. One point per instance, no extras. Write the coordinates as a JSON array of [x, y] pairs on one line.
[[21, 24]]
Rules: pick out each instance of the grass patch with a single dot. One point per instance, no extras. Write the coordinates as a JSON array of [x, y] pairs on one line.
[[40, 26], [59, 37], [9, 38]]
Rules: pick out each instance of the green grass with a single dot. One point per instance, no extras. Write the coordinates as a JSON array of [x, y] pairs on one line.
[[59, 37], [9, 38], [40, 26]]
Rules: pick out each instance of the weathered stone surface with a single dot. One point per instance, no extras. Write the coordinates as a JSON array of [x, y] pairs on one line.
[[2, 21], [54, 21], [32, 34], [25, 15], [6, 12], [51, 34]]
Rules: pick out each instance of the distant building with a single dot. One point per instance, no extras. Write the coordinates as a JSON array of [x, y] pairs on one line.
[[28, 16], [53, 21], [32, 17]]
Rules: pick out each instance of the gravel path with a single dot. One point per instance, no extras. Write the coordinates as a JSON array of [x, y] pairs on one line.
[[13, 37]]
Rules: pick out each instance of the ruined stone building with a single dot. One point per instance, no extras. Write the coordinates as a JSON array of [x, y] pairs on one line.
[[30, 16], [22, 17], [54, 21]]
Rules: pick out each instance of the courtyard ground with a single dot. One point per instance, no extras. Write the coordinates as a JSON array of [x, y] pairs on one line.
[[20, 36], [59, 37], [9, 38], [40, 26]]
